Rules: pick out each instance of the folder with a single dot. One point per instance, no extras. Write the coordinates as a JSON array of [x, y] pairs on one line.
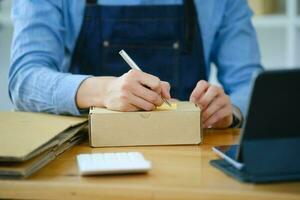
[[28, 141]]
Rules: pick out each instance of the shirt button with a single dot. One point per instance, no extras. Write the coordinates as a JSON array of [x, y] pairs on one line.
[[176, 45], [106, 43]]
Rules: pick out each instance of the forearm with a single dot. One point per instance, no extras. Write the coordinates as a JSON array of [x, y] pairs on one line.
[[40, 89], [237, 54], [240, 95]]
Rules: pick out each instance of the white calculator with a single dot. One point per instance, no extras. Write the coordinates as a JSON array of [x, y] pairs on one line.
[[112, 163]]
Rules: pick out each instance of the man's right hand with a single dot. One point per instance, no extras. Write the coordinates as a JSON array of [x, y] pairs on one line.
[[134, 90]]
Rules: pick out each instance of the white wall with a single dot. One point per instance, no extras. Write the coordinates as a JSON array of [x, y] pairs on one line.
[[5, 38], [5, 41]]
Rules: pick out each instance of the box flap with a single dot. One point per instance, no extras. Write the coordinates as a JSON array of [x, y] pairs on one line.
[[180, 107]]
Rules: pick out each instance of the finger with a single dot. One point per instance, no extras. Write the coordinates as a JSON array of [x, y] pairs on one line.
[[165, 89], [140, 102], [208, 97], [123, 105], [199, 90], [150, 81], [217, 104], [217, 116], [147, 94], [129, 108]]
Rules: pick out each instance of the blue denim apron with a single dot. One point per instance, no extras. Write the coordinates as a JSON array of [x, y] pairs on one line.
[[164, 40]]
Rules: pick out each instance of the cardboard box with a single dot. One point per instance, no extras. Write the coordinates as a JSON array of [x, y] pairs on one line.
[[159, 127]]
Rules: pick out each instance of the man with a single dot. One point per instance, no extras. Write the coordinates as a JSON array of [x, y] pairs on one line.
[[65, 55]]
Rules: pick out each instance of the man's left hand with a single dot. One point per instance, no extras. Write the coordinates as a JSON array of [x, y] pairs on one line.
[[215, 105]]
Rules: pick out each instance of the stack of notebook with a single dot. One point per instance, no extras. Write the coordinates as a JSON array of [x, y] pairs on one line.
[[28, 141]]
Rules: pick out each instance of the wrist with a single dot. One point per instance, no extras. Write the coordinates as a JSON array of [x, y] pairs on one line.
[[91, 92], [84, 96], [238, 118]]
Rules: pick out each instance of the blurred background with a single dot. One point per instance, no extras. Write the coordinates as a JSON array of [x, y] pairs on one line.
[[277, 23]]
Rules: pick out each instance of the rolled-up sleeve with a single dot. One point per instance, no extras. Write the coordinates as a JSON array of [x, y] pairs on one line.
[[37, 81], [236, 52]]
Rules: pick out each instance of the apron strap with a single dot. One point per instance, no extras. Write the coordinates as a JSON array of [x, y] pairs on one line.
[[190, 17]]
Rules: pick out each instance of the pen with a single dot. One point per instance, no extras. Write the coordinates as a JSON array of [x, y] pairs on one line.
[[133, 65]]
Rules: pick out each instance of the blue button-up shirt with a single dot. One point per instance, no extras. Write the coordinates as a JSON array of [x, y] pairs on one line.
[[45, 36]]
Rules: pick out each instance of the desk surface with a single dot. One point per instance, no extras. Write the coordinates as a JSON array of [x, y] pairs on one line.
[[179, 172]]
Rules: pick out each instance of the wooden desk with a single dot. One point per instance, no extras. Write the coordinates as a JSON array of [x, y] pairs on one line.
[[179, 172]]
